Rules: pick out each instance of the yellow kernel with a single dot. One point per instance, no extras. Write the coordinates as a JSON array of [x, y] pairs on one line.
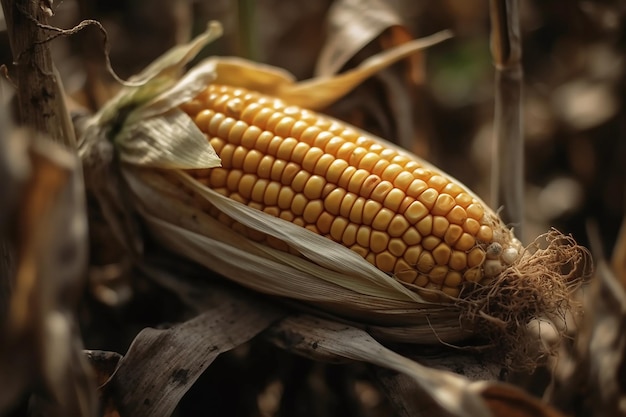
[[412, 237], [215, 123], [258, 191], [453, 292], [328, 142], [252, 160], [425, 226], [415, 212], [430, 242], [452, 189], [421, 280], [297, 129], [323, 164], [312, 211], [347, 204], [425, 262], [356, 156], [458, 260], [428, 198], [349, 235], [324, 222], [238, 158], [422, 173], [300, 152], [438, 182], [285, 149], [412, 254], [370, 183], [391, 172], [284, 125], [442, 254], [485, 234], [262, 141], [335, 170], [453, 234], [217, 144], [232, 181], [311, 158], [440, 226], [475, 210], [356, 212], [471, 226], [298, 204], [345, 151], [277, 169], [473, 275], [346, 176], [475, 257], [398, 226], [457, 215], [299, 221], [264, 168], [226, 155], [309, 134], [378, 241], [246, 183], [453, 279], [290, 172], [381, 190], [380, 167], [404, 272], [403, 180], [272, 211], [300, 181], [286, 215], [443, 205], [273, 121], [416, 188], [368, 161], [385, 261], [394, 198], [382, 219], [463, 199], [360, 250], [370, 210], [314, 186], [438, 274], [357, 180], [337, 228], [336, 146], [285, 197], [218, 177], [465, 242], [236, 132], [332, 202], [397, 246], [371, 258], [224, 128], [363, 236], [270, 198]]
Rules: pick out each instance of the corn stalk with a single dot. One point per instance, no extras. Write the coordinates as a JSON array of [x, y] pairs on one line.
[[508, 155]]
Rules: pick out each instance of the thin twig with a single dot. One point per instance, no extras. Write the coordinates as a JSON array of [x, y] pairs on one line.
[[508, 157]]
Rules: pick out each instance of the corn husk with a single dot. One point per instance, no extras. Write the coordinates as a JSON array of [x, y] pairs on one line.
[[155, 142]]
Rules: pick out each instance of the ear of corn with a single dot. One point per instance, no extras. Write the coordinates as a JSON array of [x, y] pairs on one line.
[[401, 215]]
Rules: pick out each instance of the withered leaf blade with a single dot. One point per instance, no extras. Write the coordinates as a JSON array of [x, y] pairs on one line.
[[323, 340], [162, 364], [40, 342], [352, 24], [508, 401]]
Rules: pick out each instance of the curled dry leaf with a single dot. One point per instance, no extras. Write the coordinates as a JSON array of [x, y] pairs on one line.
[[162, 364], [40, 342]]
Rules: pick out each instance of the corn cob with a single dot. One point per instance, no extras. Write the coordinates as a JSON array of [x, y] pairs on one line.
[[406, 218]]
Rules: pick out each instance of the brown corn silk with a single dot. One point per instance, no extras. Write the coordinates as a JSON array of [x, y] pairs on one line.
[[304, 207]]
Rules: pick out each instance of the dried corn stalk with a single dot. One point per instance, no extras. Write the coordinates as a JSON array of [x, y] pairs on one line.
[[422, 259]]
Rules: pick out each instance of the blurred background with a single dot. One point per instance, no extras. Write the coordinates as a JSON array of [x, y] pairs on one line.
[[439, 105]]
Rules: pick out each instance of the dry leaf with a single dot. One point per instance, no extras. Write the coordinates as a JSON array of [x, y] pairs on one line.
[[162, 364], [40, 343]]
